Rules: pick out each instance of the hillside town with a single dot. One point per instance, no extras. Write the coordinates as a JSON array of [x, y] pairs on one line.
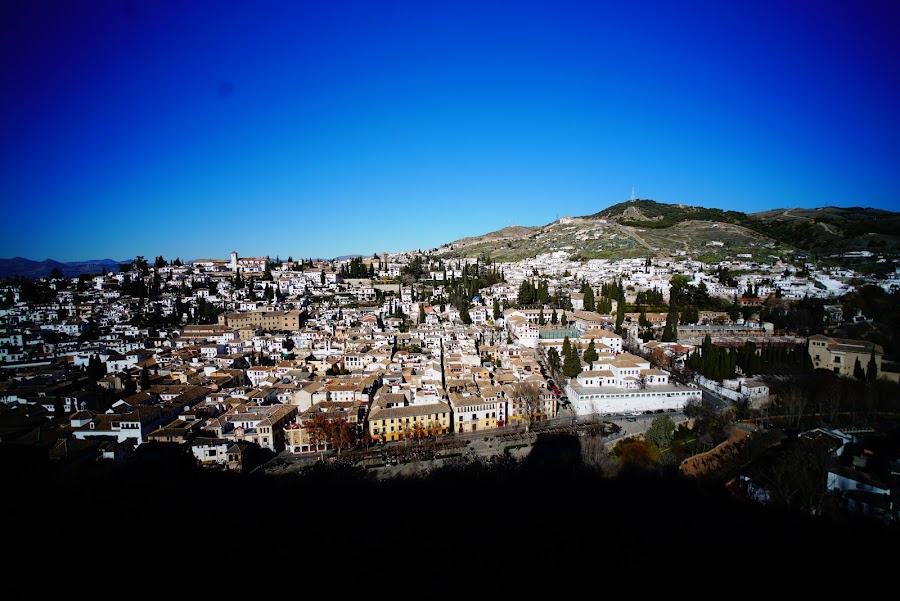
[[241, 358]]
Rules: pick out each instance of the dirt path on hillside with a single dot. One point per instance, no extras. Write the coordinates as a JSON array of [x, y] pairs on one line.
[[630, 231]]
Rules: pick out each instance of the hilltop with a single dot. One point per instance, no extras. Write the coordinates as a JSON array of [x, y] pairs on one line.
[[645, 227]]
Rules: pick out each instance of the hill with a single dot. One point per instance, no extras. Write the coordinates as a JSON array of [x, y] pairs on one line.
[[19, 266], [640, 228]]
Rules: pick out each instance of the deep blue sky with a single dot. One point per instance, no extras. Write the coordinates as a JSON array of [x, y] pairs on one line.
[[316, 129]]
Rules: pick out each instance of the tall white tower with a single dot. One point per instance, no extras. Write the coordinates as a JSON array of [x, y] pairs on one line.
[[632, 193]]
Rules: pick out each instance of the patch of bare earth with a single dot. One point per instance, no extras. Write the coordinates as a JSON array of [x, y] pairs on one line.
[[715, 459]]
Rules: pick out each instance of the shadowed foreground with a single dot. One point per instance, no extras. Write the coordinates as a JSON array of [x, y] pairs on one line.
[[499, 512]]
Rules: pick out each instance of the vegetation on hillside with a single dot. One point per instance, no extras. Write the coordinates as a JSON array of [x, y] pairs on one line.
[[818, 231]]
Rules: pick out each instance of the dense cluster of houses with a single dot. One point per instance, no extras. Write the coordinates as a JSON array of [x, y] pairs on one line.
[[293, 346]]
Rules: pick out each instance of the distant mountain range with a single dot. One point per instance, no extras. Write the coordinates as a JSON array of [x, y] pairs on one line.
[[19, 266]]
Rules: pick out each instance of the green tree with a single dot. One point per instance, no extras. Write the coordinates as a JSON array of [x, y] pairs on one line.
[[689, 315], [660, 432], [464, 315], [670, 331], [590, 354], [526, 294], [620, 317], [553, 360], [571, 363], [588, 292], [643, 321]]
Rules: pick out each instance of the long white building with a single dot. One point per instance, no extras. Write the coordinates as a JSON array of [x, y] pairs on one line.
[[626, 383]]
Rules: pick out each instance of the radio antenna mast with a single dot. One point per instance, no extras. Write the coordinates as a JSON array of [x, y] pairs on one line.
[[632, 193]]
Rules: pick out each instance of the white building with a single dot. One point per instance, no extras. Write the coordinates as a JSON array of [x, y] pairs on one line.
[[625, 384]]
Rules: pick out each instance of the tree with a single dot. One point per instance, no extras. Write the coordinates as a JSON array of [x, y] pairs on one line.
[[590, 354], [588, 292], [670, 331], [858, 372], [145, 378], [793, 402], [872, 368], [690, 315], [464, 315], [595, 454], [140, 265], [525, 399], [95, 368], [129, 387], [526, 294], [342, 434], [553, 360], [571, 363], [637, 452], [317, 428], [711, 425], [797, 478], [643, 322], [660, 432], [620, 316]]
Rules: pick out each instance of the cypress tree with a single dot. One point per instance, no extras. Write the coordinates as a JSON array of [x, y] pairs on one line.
[[872, 368], [588, 298], [571, 363], [858, 372], [145, 378], [591, 355]]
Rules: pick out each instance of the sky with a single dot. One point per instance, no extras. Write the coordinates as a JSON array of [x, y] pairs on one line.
[[321, 129]]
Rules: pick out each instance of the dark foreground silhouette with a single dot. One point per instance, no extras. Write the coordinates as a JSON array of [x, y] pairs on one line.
[[498, 513]]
